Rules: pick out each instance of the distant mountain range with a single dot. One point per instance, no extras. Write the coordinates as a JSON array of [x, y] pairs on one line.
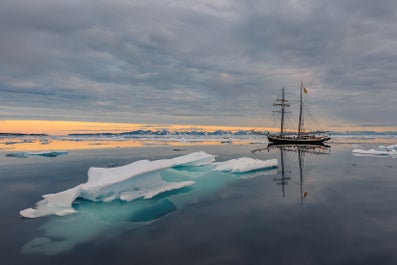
[[225, 133], [215, 133], [166, 132]]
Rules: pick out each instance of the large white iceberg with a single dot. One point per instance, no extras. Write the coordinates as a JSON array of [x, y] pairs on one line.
[[154, 187], [141, 179], [389, 151]]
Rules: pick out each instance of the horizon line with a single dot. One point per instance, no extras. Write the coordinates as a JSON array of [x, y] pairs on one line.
[[65, 127]]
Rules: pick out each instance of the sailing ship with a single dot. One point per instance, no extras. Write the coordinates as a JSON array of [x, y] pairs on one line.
[[301, 136]]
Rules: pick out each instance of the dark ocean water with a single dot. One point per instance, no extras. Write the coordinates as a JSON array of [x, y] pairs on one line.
[[341, 209]]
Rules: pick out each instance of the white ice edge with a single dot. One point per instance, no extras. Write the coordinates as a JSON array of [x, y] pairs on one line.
[[389, 150], [55, 203], [141, 179], [245, 164]]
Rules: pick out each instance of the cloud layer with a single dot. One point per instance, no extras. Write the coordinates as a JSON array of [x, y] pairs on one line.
[[197, 62]]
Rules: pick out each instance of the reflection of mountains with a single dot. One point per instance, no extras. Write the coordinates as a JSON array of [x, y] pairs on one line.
[[298, 156]]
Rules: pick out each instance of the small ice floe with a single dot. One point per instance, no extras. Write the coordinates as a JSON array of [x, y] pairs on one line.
[[43, 154], [179, 149], [12, 142], [385, 151], [259, 142], [112, 164], [144, 179], [44, 141], [226, 141], [245, 164]]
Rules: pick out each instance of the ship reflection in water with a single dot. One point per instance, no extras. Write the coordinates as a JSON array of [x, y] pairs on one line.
[[296, 160]]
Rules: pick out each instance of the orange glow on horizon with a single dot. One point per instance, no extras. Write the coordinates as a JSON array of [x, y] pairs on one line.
[[67, 127]]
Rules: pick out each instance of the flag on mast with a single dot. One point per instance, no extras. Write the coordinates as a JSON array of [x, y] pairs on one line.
[[305, 89]]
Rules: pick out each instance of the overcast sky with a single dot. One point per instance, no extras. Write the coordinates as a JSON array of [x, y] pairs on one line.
[[197, 62]]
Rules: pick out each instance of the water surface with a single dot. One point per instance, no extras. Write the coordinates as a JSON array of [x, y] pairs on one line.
[[340, 210]]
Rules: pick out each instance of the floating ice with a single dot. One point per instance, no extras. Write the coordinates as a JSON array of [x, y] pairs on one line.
[[388, 147], [56, 203], [245, 164], [141, 179], [389, 151], [144, 192], [43, 153], [129, 182]]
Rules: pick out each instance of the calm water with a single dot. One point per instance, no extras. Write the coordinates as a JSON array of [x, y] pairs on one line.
[[342, 209]]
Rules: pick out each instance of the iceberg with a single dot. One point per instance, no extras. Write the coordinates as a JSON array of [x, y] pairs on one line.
[[385, 151], [129, 182], [245, 164], [133, 195], [56, 203], [43, 154], [141, 179]]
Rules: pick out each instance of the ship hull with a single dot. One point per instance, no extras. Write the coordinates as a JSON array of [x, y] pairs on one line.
[[295, 140]]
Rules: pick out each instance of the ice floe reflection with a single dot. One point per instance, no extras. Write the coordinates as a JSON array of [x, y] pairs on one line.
[[133, 195]]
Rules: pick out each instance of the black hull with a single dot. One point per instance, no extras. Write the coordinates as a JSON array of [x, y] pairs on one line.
[[306, 140]]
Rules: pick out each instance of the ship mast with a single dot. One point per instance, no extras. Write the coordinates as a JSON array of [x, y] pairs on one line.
[[300, 112], [283, 104]]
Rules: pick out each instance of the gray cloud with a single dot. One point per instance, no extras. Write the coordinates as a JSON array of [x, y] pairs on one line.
[[208, 62]]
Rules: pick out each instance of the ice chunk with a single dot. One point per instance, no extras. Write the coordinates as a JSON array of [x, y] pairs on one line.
[[43, 153], [141, 179], [145, 186], [57, 203], [389, 151], [49, 153], [135, 180], [100, 177], [172, 184], [388, 147], [19, 155], [167, 186], [194, 159], [245, 164]]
